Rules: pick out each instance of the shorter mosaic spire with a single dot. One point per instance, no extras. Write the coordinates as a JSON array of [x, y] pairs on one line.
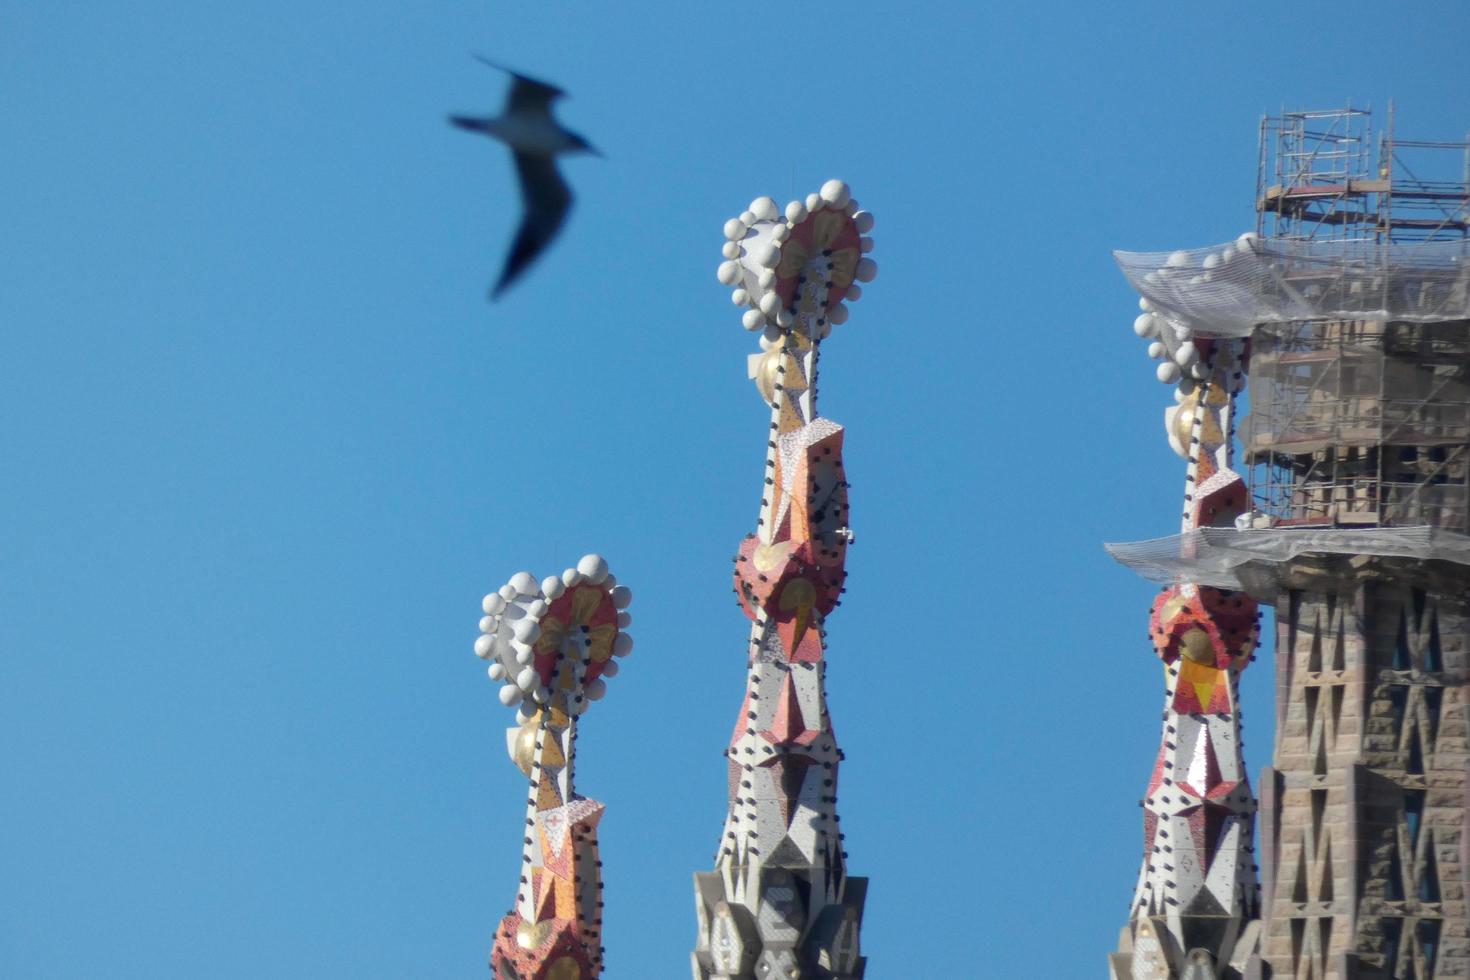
[[552, 645]]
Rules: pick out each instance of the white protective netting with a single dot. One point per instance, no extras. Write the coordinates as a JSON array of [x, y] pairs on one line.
[[1226, 290], [1232, 558]]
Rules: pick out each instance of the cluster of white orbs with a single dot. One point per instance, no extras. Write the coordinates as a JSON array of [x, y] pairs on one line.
[[752, 251], [512, 625], [1171, 339]]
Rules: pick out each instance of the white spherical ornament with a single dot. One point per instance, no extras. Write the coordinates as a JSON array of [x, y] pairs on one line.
[[865, 244], [1248, 237], [837, 315], [485, 647], [509, 695], [766, 279], [731, 250], [625, 619], [552, 588], [1186, 354], [526, 630], [1168, 372], [595, 689], [610, 668], [764, 208], [851, 207], [867, 270], [487, 624], [1143, 302], [765, 344], [1177, 260], [524, 654], [1211, 261], [863, 221], [621, 597], [524, 583], [496, 671], [1198, 371], [622, 645], [735, 229], [780, 233], [728, 273], [528, 679], [1178, 396], [740, 297], [748, 218], [813, 201], [771, 304], [1157, 350], [770, 336], [1143, 325], [525, 713], [507, 592], [594, 567], [835, 192], [785, 319], [536, 608], [853, 294], [492, 603], [753, 320], [571, 578], [796, 212], [767, 256]]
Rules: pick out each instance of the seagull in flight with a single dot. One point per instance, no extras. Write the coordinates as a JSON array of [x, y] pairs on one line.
[[536, 139]]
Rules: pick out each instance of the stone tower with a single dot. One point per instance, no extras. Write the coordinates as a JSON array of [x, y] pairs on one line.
[[1355, 297]]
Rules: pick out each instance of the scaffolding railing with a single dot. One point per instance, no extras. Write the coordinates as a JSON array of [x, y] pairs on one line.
[[1323, 176]]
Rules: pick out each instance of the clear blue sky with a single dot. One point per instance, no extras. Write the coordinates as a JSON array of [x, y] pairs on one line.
[[265, 445]]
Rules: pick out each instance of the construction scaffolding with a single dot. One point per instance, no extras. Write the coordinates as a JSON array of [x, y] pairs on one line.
[[1322, 176], [1361, 424]]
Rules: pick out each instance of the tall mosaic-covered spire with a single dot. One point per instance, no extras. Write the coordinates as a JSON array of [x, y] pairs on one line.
[[779, 902], [1195, 909], [551, 644]]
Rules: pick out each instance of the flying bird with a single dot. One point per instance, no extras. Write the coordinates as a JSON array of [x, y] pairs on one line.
[[535, 139]]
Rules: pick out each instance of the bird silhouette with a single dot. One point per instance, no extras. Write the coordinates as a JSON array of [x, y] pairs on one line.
[[535, 139]]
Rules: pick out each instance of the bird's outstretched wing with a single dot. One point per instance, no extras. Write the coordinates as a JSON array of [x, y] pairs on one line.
[[469, 122], [525, 92], [547, 199]]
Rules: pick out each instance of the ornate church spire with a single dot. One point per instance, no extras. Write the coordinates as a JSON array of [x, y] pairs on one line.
[[551, 645], [780, 902]]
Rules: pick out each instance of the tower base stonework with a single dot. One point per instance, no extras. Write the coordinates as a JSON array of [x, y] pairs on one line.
[[1363, 812], [777, 941]]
